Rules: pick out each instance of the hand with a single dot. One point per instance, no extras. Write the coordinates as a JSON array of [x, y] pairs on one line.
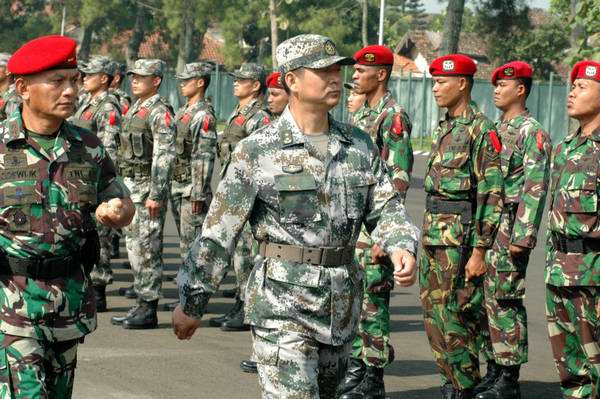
[[183, 326], [476, 265], [197, 207], [405, 270], [115, 213], [153, 208], [377, 254], [517, 251]]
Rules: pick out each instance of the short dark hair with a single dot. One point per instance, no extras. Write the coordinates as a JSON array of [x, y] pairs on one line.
[[206, 79], [470, 81], [284, 83], [527, 83], [388, 70]]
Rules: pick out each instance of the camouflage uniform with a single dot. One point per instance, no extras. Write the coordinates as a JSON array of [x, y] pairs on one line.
[[9, 102], [48, 217], [573, 266], [101, 115], [195, 143], [146, 157], [525, 160], [389, 126], [122, 96], [463, 171], [4, 57]]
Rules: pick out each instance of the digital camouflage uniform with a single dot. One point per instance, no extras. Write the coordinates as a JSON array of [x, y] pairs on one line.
[[101, 115], [46, 217], [573, 274], [9, 102], [525, 161], [389, 127], [195, 144], [242, 122], [463, 170], [146, 157]]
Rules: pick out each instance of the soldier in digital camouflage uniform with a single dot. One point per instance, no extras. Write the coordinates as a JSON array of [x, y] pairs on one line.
[[9, 100], [146, 157], [354, 102], [525, 161], [47, 234], [115, 87], [306, 199], [195, 145], [573, 263], [100, 114], [247, 117], [464, 184], [389, 127]]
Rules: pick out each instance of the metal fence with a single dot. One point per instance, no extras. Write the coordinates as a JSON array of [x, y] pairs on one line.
[[547, 101]]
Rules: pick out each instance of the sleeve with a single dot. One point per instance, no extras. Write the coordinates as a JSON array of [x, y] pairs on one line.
[[210, 254], [258, 120], [485, 164], [537, 147], [204, 137], [109, 125], [110, 185], [163, 155], [397, 150]]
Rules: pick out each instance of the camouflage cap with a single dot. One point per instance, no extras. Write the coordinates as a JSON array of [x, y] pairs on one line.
[[4, 57], [98, 65], [148, 67], [194, 70], [309, 51], [249, 70], [120, 69]]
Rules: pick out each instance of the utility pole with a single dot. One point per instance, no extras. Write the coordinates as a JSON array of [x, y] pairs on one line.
[[381, 18], [64, 18]]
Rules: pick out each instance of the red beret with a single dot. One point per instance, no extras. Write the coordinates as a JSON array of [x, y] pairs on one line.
[[512, 70], [374, 55], [273, 80], [453, 64], [42, 54], [586, 70]]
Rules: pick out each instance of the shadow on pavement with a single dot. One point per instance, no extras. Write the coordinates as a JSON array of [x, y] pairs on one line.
[[406, 325], [406, 310], [529, 389], [412, 368]]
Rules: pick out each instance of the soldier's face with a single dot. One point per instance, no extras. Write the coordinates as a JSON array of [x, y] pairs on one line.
[[3, 74], [50, 93], [446, 90], [244, 88], [277, 100], [94, 82], [190, 87], [367, 78], [508, 92], [584, 99], [319, 87], [144, 86], [355, 101], [116, 82]]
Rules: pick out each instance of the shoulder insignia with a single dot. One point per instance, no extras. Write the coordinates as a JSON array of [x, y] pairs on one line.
[[124, 109], [87, 115], [112, 118], [266, 120], [495, 141], [397, 127], [186, 118], [167, 118], [206, 124], [142, 112], [240, 120], [2, 102], [540, 140]]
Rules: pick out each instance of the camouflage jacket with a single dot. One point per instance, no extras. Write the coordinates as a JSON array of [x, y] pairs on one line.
[[291, 197], [9, 102], [102, 116], [196, 144], [41, 216], [148, 138], [389, 126], [124, 100], [574, 209], [464, 164]]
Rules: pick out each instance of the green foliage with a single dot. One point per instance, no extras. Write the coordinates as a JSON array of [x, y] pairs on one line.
[[22, 21], [587, 16]]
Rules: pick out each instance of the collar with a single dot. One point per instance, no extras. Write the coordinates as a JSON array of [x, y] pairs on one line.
[[292, 135], [595, 136], [15, 130], [98, 99], [247, 107], [466, 117], [518, 120], [149, 102]]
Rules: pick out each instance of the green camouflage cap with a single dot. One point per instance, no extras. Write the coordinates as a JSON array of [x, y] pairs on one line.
[[249, 70], [309, 51], [4, 57], [194, 70], [98, 65], [148, 67]]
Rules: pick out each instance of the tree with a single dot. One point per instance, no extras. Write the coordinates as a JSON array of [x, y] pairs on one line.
[[22, 21], [416, 11], [452, 26]]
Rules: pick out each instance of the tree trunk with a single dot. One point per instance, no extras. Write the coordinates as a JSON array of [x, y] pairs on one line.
[[86, 44], [274, 33], [188, 51], [133, 47], [365, 17], [452, 26]]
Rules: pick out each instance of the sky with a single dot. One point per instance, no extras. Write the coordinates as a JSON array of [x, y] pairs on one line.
[[435, 6]]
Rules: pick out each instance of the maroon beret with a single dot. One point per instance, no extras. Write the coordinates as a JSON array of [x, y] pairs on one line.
[[512, 70], [586, 70], [374, 55], [273, 80], [42, 54], [453, 65]]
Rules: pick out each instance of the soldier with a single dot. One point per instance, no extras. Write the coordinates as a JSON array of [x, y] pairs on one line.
[[306, 199], [195, 144], [100, 114], [278, 98], [115, 87], [463, 182], [573, 263], [248, 116], [9, 100], [389, 127], [525, 162], [146, 156], [48, 237], [354, 101]]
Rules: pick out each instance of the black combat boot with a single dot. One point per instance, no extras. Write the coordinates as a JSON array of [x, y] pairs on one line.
[[371, 386], [100, 295], [506, 386], [115, 252], [248, 366], [447, 391], [128, 292], [219, 320], [355, 373], [231, 293], [118, 320], [144, 316], [235, 322], [463, 394], [491, 375], [170, 306]]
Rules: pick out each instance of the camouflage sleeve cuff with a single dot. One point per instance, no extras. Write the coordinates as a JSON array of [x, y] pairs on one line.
[[526, 242], [481, 242]]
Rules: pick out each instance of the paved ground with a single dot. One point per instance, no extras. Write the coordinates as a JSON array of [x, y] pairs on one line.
[[117, 363]]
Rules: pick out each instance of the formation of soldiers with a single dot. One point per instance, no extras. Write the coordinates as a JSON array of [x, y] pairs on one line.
[[309, 213]]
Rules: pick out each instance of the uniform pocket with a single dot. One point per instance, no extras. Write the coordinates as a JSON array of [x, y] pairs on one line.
[[17, 202], [81, 182], [510, 278], [265, 350], [137, 143], [357, 193], [442, 229], [298, 202]]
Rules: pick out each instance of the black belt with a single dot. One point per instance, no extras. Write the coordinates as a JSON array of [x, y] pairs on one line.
[[462, 208], [328, 257], [565, 244], [40, 268]]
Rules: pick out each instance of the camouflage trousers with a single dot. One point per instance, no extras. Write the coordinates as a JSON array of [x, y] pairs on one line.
[[102, 273], [574, 331], [36, 369], [144, 239], [452, 309], [292, 365], [243, 260], [372, 341], [189, 225]]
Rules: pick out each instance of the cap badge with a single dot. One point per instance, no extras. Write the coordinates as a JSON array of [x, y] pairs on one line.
[[369, 57], [329, 48], [509, 71], [591, 71], [448, 65]]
